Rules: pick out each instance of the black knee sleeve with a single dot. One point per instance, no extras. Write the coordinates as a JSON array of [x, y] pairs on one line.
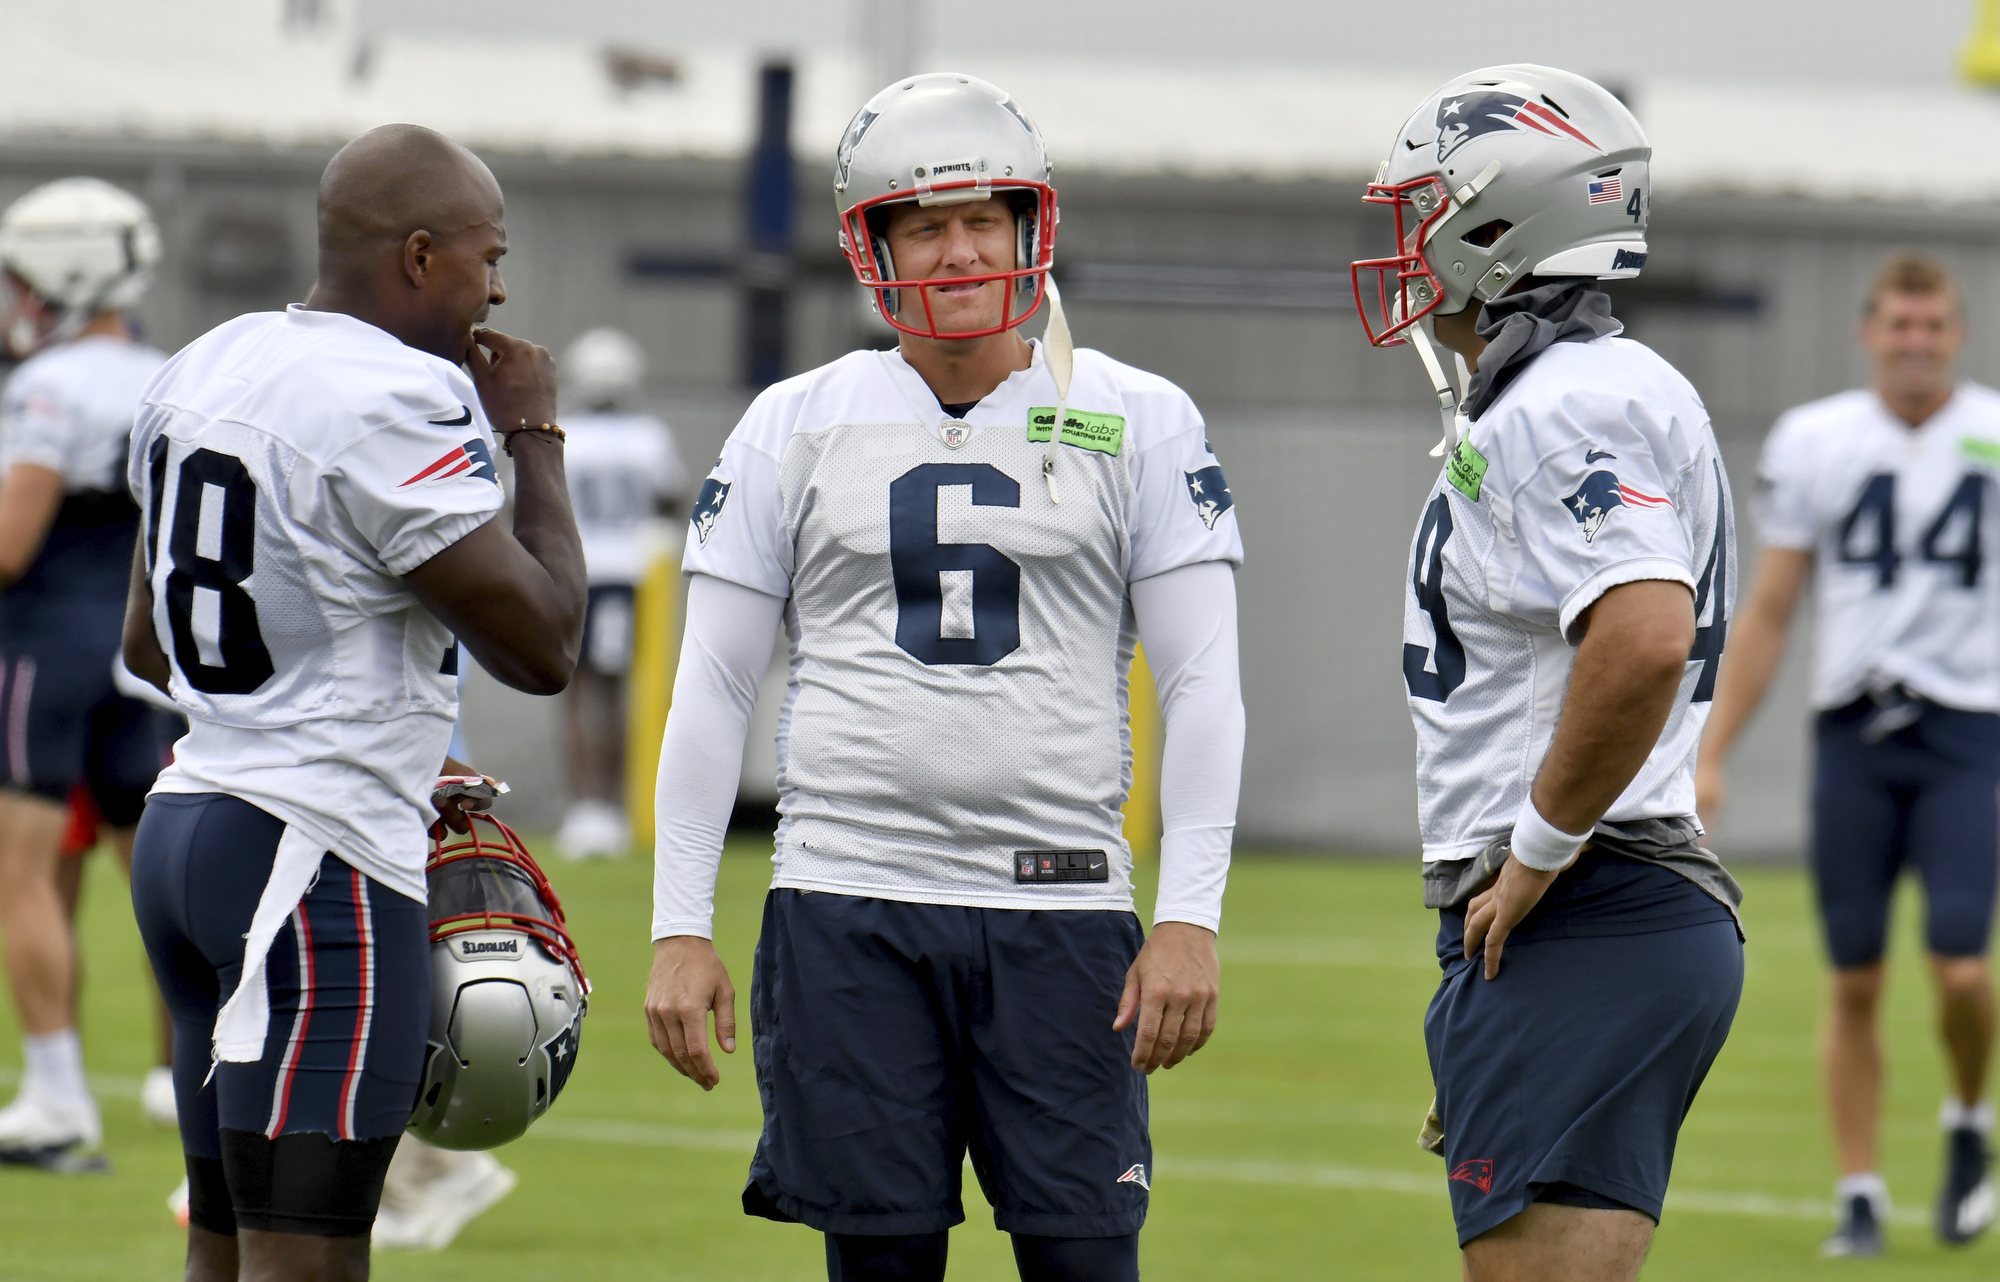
[[918, 1257], [307, 1183], [209, 1206], [1077, 1259]]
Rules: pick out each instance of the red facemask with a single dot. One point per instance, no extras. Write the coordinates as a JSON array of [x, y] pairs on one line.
[[859, 245], [1401, 290]]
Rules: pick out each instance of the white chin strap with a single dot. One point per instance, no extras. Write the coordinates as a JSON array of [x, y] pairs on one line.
[[1060, 353], [1449, 398]]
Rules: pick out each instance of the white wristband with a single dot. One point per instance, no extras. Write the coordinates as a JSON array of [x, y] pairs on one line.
[[1541, 845]]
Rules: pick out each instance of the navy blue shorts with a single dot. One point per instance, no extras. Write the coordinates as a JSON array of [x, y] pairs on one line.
[[1566, 1079], [348, 978], [607, 628], [62, 722], [1927, 795], [891, 1038]]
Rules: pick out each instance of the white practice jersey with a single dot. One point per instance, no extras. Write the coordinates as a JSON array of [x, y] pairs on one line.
[[1906, 569], [620, 467], [69, 408], [1595, 467], [292, 467], [959, 644]]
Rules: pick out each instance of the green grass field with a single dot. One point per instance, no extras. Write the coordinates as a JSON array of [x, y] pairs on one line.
[[1284, 1151]]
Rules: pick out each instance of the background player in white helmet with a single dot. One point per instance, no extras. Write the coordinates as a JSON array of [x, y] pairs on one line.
[[1569, 589], [1876, 497], [963, 539], [623, 473], [77, 254], [320, 492]]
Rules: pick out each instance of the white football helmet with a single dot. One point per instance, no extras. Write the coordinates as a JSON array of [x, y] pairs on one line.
[[81, 246], [604, 366], [940, 139], [1509, 171], [508, 992]]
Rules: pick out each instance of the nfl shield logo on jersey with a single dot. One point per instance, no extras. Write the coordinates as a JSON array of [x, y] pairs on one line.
[[954, 433], [708, 506]]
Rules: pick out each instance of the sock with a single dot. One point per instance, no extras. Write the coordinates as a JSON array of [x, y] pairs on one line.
[[1955, 1114], [1867, 1184], [55, 1067]]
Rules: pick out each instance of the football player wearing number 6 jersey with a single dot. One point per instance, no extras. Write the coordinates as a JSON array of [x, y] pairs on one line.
[[319, 492], [963, 540], [1877, 497], [1569, 592]]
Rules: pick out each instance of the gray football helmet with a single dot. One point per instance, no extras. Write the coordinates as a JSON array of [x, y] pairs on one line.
[[508, 992], [939, 139], [81, 246], [1509, 171]]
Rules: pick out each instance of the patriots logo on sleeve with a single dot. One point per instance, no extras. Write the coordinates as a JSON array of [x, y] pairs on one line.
[[470, 458], [708, 506], [1601, 492], [1210, 494]]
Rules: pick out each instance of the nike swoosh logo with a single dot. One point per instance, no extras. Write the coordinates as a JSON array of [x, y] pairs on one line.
[[463, 418], [1591, 456], [1413, 146]]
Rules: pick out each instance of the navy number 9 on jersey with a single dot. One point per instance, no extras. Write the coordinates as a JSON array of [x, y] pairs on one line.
[[917, 560], [217, 644], [1427, 581]]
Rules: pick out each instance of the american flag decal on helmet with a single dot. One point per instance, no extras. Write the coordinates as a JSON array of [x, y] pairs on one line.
[[1606, 189]]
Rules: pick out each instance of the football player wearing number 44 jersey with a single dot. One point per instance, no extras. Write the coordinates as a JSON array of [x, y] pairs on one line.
[[1877, 497], [319, 494], [1570, 584], [963, 539]]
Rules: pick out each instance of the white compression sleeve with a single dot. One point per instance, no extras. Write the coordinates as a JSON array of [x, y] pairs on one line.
[[724, 651], [1187, 622]]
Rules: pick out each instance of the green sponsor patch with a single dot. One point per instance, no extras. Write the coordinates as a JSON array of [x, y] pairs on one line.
[[1985, 452], [1104, 433], [1465, 469]]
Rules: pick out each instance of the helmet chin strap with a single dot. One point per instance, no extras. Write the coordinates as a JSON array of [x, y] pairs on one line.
[[1060, 353], [1449, 398]]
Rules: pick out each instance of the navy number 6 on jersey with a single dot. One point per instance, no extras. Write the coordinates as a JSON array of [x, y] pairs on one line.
[[917, 559], [217, 644]]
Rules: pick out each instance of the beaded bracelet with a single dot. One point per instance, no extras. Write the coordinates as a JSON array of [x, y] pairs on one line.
[[507, 434]]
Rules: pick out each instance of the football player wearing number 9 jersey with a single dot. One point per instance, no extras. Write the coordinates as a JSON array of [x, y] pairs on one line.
[[1569, 591], [963, 540], [1877, 497], [319, 492]]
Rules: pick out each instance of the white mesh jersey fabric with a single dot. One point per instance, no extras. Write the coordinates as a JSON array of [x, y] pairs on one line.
[[69, 409], [292, 467], [619, 467], [1596, 467], [1905, 562], [959, 644]]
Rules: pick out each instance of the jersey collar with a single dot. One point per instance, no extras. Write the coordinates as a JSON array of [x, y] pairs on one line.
[[996, 405]]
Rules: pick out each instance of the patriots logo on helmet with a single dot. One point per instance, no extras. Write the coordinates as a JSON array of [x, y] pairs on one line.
[[708, 506], [471, 458], [1210, 494], [1463, 117], [1602, 491]]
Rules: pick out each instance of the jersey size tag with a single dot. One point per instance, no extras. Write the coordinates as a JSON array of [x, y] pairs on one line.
[[1986, 453], [1039, 867], [1465, 469], [1104, 433]]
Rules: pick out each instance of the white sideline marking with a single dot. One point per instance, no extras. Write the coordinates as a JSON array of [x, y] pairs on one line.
[[1294, 1174]]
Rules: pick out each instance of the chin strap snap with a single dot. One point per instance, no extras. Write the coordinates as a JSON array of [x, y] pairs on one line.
[[1060, 353]]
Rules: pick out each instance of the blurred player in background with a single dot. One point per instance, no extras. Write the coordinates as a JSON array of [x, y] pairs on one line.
[[949, 956], [623, 473], [320, 492], [1570, 584], [1877, 497], [77, 254]]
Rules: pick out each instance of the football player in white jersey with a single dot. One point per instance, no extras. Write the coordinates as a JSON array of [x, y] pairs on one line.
[[1876, 497], [319, 492], [963, 540], [1569, 590], [78, 254], [623, 473]]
